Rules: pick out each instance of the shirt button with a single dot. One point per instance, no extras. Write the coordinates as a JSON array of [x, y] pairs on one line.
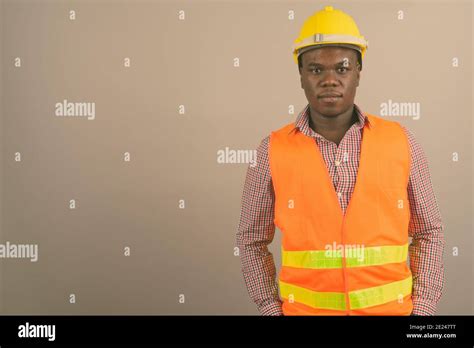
[[337, 163], [339, 194]]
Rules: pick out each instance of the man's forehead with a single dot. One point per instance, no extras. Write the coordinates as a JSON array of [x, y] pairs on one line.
[[338, 53]]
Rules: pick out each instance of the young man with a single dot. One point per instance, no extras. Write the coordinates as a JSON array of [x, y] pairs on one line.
[[346, 189]]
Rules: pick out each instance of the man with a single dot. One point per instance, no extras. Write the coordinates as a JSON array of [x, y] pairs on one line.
[[346, 189]]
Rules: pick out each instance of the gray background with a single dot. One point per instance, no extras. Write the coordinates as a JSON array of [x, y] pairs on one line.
[[191, 251]]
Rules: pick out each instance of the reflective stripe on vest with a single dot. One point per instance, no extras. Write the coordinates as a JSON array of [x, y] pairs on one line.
[[358, 299], [371, 256]]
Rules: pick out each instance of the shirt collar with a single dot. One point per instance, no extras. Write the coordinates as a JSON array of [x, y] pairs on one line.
[[302, 121]]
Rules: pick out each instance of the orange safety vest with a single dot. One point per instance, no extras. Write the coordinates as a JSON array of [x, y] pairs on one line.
[[336, 264]]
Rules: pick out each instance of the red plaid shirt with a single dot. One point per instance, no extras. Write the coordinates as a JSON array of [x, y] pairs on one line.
[[256, 226]]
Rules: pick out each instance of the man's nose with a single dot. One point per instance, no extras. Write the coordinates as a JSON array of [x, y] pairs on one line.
[[329, 79]]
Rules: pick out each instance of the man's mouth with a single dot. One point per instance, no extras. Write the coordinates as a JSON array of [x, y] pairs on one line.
[[330, 97]]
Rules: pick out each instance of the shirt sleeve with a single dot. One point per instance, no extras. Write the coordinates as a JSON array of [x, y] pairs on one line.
[[256, 230], [426, 229]]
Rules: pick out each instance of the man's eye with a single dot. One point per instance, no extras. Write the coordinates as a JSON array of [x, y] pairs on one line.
[[315, 70], [342, 69]]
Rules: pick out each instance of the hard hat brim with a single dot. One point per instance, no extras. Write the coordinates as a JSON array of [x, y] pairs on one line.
[[322, 40], [312, 47]]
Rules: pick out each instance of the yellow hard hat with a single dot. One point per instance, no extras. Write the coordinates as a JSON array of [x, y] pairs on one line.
[[329, 27]]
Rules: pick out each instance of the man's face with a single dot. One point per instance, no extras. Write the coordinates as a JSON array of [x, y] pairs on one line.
[[329, 77]]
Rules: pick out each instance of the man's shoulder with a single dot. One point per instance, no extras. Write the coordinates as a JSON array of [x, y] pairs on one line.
[[380, 122], [376, 119], [287, 128], [415, 147], [265, 143]]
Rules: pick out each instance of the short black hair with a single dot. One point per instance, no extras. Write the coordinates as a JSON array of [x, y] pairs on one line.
[[359, 60]]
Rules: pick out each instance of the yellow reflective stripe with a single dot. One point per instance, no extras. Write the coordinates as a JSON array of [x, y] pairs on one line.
[[370, 256], [380, 294], [309, 259], [363, 298], [324, 300]]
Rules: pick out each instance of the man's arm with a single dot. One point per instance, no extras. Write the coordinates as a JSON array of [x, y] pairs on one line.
[[255, 232], [426, 230]]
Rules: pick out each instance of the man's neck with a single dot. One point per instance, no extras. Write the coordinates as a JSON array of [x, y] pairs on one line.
[[334, 127]]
